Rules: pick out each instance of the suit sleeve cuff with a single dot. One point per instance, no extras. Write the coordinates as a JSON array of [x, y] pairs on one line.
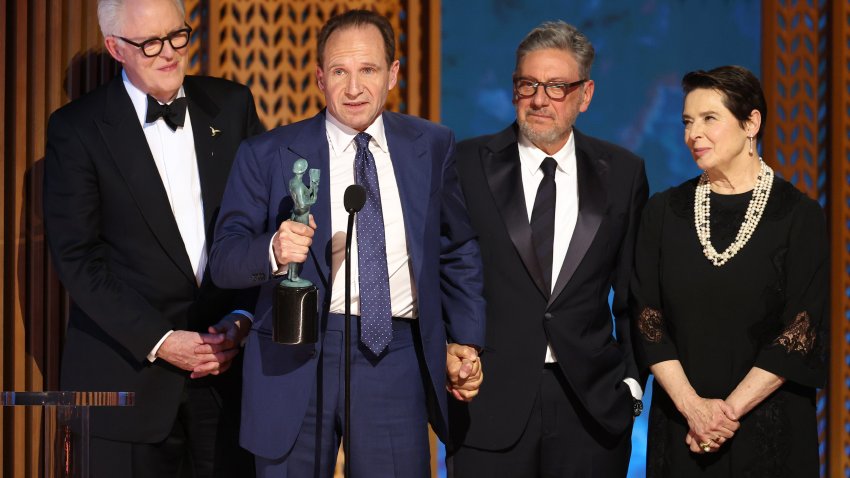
[[155, 349]]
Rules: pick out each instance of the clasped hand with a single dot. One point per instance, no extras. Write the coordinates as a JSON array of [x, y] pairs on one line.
[[206, 354], [712, 422], [463, 372]]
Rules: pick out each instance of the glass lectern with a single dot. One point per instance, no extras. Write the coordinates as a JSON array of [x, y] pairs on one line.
[[66, 425]]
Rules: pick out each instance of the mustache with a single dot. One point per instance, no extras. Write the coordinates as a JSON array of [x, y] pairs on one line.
[[539, 112]]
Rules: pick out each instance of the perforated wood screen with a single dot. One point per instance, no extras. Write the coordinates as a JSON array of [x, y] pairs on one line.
[[270, 46], [805, 58]]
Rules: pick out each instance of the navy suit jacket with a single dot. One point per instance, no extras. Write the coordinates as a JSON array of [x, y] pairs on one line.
[[444, 255]]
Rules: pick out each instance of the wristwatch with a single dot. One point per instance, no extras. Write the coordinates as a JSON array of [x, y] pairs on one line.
[[637, 406]]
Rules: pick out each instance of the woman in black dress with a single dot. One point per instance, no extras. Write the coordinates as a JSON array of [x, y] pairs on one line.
[[730, 291]]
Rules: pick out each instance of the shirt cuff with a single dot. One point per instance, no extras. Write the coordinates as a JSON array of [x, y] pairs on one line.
[[273, 261], [245, 313], [250, 318], [155, 349], [634, 387]]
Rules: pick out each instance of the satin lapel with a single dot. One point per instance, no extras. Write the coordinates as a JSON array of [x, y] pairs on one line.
[[592, 199], [502, 168], [213, 175], [312, 144], [126, 141], [412, 169]]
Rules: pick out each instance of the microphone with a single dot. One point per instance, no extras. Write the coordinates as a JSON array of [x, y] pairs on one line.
[[353, 200]]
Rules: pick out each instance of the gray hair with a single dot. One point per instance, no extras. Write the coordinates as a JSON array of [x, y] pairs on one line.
[[109, 15], [558, 36]]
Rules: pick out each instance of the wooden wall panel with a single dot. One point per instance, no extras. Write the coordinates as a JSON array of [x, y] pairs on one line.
[[792, 80], [33, 304], [7, 451], [839, 175], [53, 54], [50, 56], [806, 76]]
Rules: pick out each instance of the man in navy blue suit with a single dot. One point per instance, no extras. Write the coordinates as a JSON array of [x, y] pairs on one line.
[[418, 312]]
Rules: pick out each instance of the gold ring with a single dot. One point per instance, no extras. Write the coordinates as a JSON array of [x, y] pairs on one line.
[[705, 447]]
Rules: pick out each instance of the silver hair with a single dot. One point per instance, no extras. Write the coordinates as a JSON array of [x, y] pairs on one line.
[[109, 15], [558, 36]]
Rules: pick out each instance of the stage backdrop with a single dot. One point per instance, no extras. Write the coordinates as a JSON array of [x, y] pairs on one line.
[[52, 54], [642, 50]]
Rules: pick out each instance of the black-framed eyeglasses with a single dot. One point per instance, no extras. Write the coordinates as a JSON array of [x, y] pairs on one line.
[[556, 90], [153, 46]]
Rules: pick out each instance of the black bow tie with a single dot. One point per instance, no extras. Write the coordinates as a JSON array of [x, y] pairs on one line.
[[173, 114]]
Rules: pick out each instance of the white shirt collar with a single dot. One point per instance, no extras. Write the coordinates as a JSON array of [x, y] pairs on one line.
[[140, 98], [341, 137], [532, 157]]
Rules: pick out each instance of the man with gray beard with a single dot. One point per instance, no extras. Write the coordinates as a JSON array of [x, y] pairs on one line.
[[556, 214]]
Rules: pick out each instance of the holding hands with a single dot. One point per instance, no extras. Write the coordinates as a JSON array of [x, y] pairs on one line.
[[206, 354], [463, 372]]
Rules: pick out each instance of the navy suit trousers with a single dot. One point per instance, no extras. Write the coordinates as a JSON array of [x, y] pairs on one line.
[[389, 419]]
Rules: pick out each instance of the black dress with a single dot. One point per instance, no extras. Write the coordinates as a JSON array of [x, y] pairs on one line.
[[766, 307]]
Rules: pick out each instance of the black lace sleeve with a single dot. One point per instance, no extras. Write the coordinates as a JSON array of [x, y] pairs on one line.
[[653, 343], [798, 350]]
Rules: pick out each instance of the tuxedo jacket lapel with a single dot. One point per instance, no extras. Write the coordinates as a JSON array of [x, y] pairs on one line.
[[126, 142], [312, 144], [592, 198], [502, 168], [202, 113]]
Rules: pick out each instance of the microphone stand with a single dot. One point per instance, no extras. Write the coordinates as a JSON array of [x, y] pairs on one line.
[[355, 197], [346, 440]]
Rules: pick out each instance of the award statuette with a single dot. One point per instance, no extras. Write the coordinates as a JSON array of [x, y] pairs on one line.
[[295, 306]]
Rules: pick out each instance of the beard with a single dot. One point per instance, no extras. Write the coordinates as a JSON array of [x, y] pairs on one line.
[[549, 136]]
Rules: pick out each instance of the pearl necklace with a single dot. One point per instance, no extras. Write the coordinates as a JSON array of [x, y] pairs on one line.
[[702, 215]]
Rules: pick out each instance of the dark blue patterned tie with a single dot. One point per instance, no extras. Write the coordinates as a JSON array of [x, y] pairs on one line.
[[543, 220], [376, 328]]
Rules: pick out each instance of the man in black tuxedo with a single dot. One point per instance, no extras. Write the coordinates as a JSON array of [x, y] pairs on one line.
[[556, 213], [134, 174]]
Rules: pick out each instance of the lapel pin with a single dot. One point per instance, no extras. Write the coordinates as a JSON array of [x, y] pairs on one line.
[[214, 132]]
